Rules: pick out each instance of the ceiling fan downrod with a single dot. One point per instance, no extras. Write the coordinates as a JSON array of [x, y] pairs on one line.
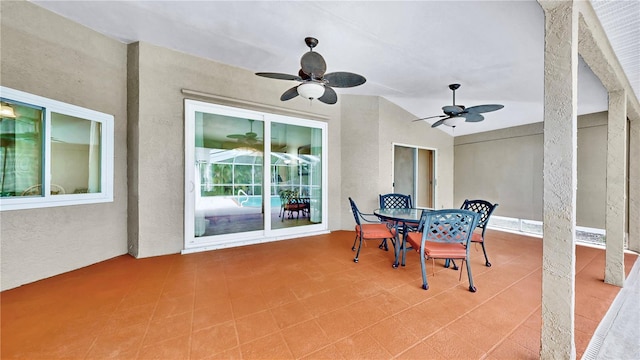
[[454, 87]]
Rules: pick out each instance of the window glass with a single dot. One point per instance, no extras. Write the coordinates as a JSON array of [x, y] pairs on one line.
[[21, 150], [75, 154], [53, 153]]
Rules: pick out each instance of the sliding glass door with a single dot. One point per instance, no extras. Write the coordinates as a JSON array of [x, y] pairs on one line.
[[414, 174], [251, 177]]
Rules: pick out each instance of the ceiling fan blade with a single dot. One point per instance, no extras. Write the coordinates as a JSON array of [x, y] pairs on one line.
[[289, 94], [279, 76], [452, 110], [473, 117], [484, 108], [313, 64], [329, 96], [430, 117], [236, 136], [344, 79], [440, 122]]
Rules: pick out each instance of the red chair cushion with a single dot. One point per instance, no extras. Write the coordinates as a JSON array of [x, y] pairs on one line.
[[476, 237], [437, 250], [374, 231], [414, 238]]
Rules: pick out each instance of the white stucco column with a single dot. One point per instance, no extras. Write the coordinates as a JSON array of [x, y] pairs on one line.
[[615, 224], [560, 178], [634, 186]]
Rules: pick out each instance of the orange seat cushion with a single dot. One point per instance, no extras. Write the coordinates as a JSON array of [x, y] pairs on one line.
[[437, 250], [414, 238], [294, 206], [374, 231], [476, 237]]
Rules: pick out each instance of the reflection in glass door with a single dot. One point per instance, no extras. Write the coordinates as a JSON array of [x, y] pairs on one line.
[[229, 161], [296, 167], [251, 177]]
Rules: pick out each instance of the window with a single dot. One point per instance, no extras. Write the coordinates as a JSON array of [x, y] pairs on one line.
[[52, 153]]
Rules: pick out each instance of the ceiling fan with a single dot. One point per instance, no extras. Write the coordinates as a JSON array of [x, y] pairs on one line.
[[452, 112], [248, 138], [315, 83]]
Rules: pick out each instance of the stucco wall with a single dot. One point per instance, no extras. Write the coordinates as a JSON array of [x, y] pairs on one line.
[[49, 56], [370, 127], [505, 167]]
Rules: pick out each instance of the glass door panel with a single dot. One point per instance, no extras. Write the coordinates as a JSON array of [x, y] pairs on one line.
[[404, 171], [296, 185], [229, 163], [414, 174]]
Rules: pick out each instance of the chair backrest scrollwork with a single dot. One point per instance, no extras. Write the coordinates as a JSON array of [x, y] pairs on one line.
[[395, 201], [482, 207], [448, 225]]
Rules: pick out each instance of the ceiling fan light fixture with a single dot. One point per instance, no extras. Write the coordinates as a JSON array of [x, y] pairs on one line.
[[454, 121], [7, 112], [311, 90]]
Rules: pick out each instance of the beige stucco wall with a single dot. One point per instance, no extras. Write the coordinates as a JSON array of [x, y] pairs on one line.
[[370, 127], [49, 56], [505, 167]]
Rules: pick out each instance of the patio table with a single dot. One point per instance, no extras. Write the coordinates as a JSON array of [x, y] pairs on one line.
[[401, 220]]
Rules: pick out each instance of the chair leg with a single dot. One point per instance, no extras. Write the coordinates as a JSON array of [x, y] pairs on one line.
[[355, 259], [353, 247], [450, 261], [403, 248], [471, 287], [423, 267], [486, 258], [383, 245]]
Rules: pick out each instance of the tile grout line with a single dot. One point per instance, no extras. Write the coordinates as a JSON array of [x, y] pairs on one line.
[[155, 308], [511, 332]]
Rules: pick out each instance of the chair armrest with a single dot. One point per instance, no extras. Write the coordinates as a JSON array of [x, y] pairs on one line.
[[363, 217]]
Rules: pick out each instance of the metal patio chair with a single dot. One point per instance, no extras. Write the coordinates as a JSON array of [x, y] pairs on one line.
[[444, 234], [484, 209], [367, 229], [394, 201]]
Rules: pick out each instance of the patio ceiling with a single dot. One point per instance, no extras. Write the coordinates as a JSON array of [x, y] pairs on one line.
[[408, 51]]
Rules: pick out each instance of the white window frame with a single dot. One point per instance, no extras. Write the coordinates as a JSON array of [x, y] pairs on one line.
[[106, 154]]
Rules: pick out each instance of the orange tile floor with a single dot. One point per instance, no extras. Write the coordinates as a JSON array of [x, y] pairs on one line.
[[300, 298]]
